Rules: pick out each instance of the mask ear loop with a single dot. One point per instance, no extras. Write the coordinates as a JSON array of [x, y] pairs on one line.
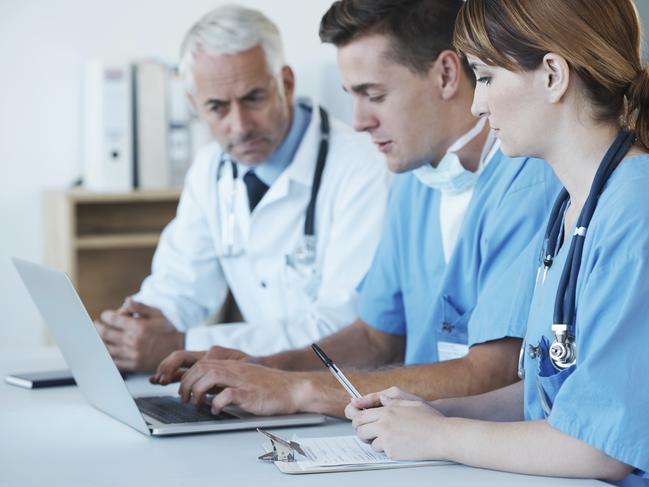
[[468, 136]]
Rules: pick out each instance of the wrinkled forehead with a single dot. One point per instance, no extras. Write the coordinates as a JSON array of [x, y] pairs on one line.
[[231, 74]]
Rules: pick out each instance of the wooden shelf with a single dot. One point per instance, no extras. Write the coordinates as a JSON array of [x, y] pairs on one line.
[[84, 196], [105, 241], [117, 241]]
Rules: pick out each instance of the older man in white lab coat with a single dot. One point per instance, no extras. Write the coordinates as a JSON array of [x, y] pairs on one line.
[[243, 220]]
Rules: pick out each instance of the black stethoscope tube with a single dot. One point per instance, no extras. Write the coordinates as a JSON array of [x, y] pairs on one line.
[[323, 149], [565, 301]]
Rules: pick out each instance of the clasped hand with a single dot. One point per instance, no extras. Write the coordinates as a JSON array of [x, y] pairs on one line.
[[137, 336]]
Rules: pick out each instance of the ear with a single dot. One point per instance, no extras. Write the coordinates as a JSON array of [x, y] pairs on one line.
[[448, 73], [555, 75], [288, 78]]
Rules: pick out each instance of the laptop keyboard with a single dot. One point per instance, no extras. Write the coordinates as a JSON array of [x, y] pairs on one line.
[[170, 410]]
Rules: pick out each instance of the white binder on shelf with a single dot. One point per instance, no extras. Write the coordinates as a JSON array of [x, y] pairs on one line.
[[108, 154], [150, 126], [180, 142], [161, 132]]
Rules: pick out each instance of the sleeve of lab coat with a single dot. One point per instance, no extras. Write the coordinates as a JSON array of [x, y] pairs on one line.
[[187, 283], [358, 214]]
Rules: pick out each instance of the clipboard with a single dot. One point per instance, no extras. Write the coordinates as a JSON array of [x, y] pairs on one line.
[[329, 454]]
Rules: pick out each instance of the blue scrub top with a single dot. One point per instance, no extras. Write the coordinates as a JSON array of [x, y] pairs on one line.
[[603, 399], [410, 290]]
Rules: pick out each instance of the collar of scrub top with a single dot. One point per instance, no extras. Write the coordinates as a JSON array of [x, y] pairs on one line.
[[564, 306]]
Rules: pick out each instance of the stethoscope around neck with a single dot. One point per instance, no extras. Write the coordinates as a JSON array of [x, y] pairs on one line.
[[563, 350], [305, 253]]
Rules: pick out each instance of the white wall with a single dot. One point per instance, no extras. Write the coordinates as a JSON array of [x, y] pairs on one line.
[[43, 47]]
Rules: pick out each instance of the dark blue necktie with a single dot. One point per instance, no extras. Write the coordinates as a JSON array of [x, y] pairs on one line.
[[256, 188]]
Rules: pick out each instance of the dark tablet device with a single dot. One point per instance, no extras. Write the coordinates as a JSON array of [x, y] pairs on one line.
[[37, 380]]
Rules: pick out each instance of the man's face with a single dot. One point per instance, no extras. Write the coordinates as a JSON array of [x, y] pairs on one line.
[[401, 110], [242, 103]]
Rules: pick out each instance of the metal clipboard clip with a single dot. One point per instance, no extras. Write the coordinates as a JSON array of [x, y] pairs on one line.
[[283, 451]]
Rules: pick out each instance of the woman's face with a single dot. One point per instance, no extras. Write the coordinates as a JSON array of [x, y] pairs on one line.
[[514, 104]]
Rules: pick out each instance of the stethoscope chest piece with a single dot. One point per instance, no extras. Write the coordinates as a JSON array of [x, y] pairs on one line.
[[563, 351]]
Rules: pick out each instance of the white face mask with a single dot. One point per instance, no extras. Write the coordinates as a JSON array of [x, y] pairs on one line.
[[450, 176]]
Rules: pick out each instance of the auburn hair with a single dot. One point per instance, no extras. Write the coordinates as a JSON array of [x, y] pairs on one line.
[[599, 39]]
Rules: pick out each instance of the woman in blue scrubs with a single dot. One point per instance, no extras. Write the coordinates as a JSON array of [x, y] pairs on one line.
[[560, 80]]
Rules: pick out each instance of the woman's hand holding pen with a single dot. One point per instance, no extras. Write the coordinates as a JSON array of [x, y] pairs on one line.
[[373, 400], [402, 425]]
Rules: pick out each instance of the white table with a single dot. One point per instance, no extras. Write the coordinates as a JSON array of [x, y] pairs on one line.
[[52, 437]]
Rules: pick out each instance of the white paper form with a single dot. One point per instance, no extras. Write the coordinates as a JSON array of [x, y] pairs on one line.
[[341, 453], [340, 450]]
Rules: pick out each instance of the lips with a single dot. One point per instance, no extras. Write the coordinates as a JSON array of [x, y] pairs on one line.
[[250, 144], [384, 146]]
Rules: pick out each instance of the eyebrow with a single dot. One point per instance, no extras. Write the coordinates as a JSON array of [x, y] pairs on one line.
[[476, 65], [252, 93], [363, 88]]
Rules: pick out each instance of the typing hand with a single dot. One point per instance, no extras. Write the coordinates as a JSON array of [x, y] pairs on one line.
[[172, 368], [403, 429], [223, 353], [137, 336], [256, 389], [373, 400]]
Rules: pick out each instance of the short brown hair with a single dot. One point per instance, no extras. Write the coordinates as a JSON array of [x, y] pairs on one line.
[[419, 30], [600, 40]]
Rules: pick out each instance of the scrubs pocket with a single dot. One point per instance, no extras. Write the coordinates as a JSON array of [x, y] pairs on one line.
[[451, 333], [549, 380]]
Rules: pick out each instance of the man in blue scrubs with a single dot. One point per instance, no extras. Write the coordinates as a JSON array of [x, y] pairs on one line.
[[459, 214]]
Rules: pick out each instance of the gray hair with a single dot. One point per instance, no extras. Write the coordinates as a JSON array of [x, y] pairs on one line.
[[232, 29]]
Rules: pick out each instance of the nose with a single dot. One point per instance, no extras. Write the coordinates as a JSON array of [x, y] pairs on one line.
[[240, 121], [362, 118], [479, 107]]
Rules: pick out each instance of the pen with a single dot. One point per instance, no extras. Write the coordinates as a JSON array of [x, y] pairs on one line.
[[344, 381]]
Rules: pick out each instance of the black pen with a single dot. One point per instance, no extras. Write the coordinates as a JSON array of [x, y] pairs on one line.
[[344, 381]]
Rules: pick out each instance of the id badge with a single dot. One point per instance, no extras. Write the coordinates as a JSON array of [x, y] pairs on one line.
[[450, 350], [452, 335]]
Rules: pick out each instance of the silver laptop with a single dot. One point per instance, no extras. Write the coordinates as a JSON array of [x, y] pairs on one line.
[[100, 381]]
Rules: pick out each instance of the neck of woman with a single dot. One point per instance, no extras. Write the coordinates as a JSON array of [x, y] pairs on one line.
[[575, 156]]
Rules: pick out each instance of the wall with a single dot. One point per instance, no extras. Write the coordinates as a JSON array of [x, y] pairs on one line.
[[43, 45]]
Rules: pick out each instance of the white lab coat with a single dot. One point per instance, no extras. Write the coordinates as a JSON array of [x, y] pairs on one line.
[[190, 277]]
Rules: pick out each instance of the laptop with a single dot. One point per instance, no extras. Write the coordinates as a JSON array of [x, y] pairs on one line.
[[101, 383]]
